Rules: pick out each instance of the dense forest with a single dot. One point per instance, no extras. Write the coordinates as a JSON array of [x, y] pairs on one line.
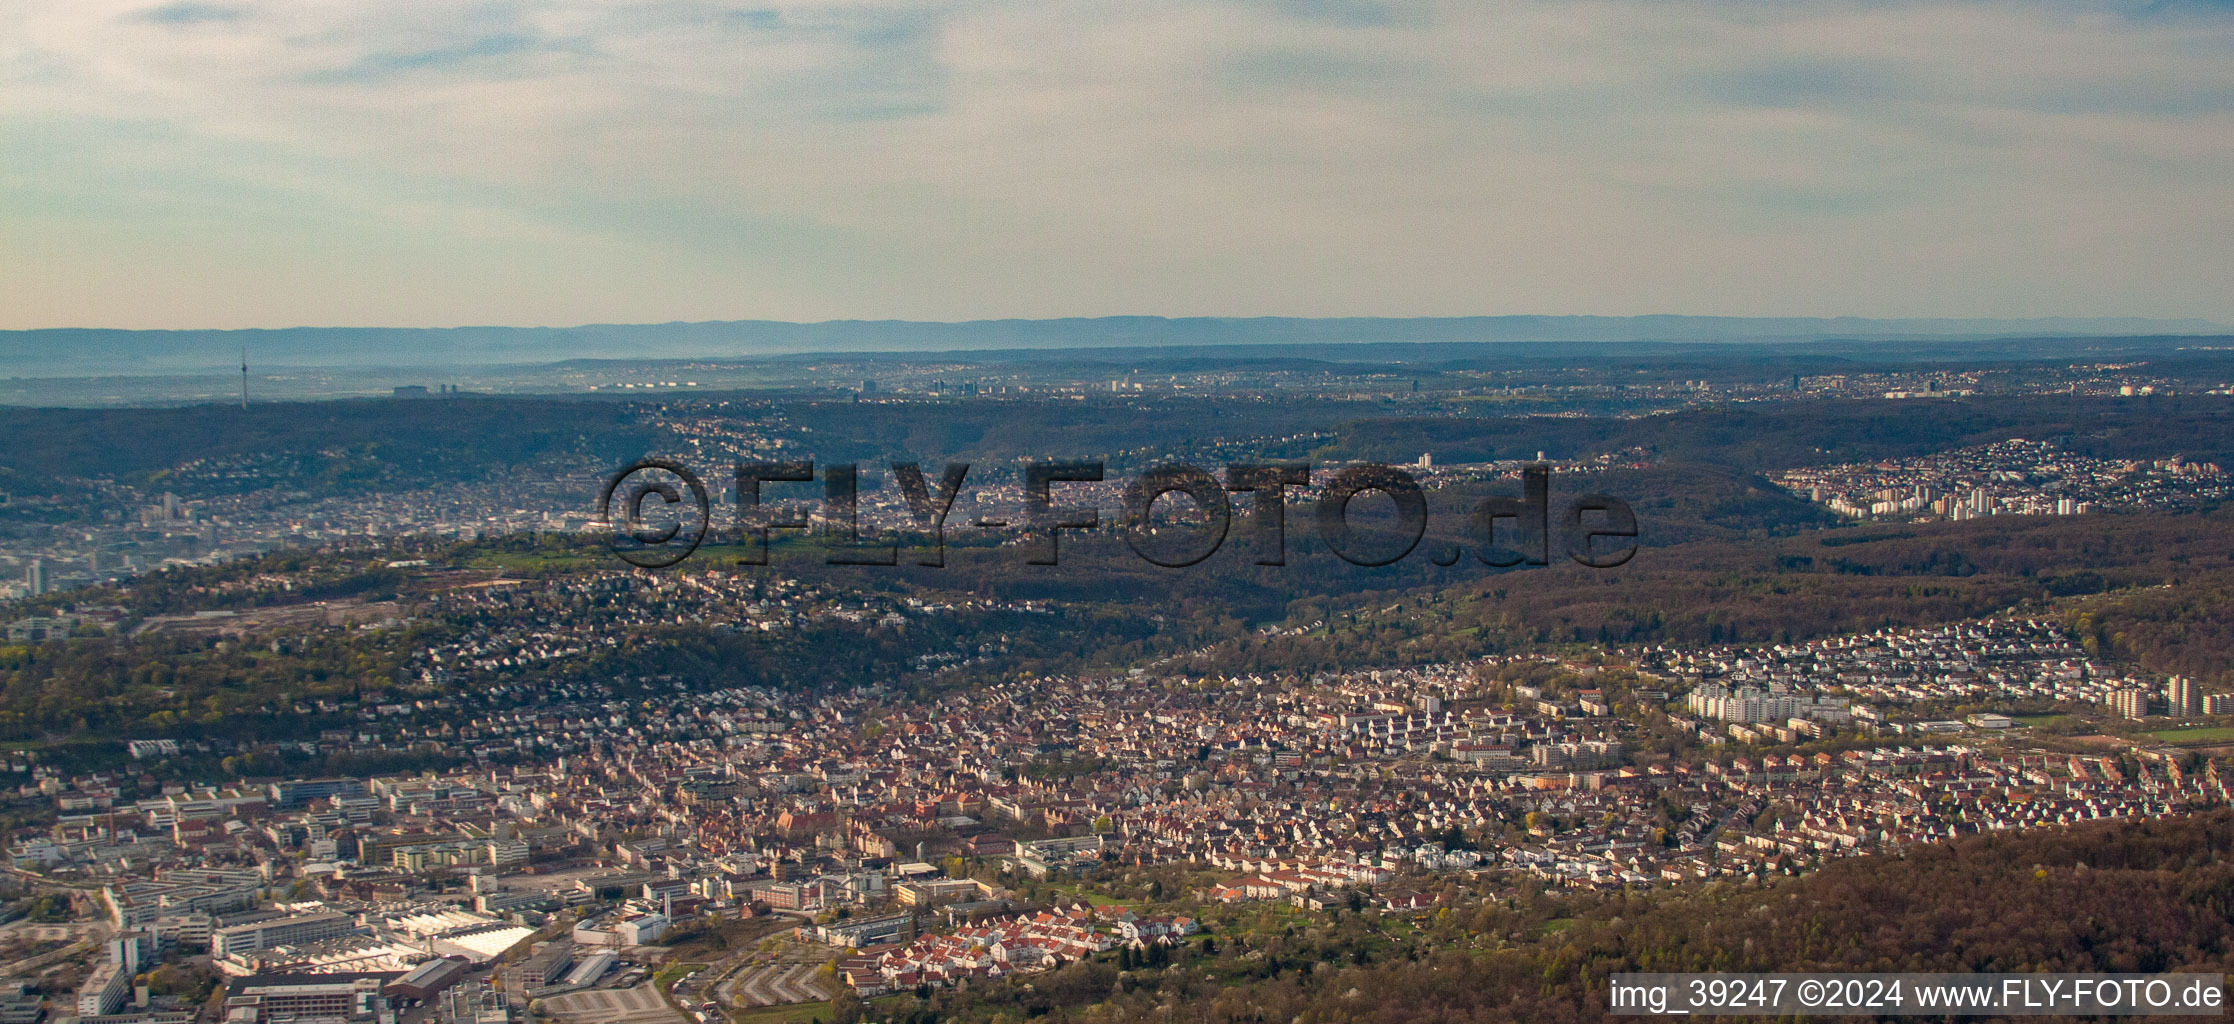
[[2159, 584], [360, 445], [322, 448]]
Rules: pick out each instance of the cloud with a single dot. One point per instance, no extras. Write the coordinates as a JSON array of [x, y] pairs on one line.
[[1350, 13], [484, 50], [546, 161], [189, 13]]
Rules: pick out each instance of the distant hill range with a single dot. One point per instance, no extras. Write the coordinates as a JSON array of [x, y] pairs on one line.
[[87, 352]]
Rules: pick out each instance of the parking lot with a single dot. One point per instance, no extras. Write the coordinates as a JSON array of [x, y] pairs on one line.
[[639, 1005], [774, 984]]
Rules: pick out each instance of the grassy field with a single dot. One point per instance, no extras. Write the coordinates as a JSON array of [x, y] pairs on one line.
[[520, 562], [2204, 734], [1073, 893]]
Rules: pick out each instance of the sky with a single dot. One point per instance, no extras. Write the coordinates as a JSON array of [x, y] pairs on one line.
[[272, 163]]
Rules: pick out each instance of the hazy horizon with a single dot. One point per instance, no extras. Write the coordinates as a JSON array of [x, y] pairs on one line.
[[93, 352], [2177, 324]]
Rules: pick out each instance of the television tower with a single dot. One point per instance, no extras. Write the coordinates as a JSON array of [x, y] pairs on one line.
[[244, 377]]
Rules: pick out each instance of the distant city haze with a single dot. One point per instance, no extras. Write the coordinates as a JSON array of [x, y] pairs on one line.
[[101, 353], [198, 164]]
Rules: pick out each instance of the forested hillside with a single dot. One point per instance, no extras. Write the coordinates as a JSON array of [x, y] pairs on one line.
[[2136, 896]]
